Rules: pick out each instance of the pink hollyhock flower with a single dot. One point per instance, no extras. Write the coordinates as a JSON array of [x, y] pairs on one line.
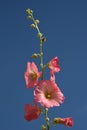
[[31, 75], [32, 112], [54, 64], [48, 94], [65, 121]]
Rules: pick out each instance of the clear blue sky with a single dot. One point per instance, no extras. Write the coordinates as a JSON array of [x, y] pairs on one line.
[[64, 24]]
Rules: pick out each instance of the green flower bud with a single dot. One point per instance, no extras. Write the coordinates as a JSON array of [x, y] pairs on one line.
[[37, 21], [43, 127], [32, 25], [47, 119], [46, 109], [43, 39], [29, 11], [29, 17], [39, 35], [34, 55]]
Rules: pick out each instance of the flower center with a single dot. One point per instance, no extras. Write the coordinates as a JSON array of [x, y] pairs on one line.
[[48, 95], [33, 76]]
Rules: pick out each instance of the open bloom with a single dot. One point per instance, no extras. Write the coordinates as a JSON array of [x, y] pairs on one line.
[[31, 75], [32, 112], [65, 121], [54, 64], [48, 94]]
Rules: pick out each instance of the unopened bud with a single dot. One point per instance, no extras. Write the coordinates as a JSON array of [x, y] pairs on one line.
[[34, 55], [46, 109], [37, 21], [29, 17], [43, 127], [43, 39], [29, 11], [47, 119], [32, 25], [39, 35]]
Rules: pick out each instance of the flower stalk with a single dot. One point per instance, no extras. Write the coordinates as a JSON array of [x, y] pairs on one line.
[[42, 66], [41, 40], [47, 118]]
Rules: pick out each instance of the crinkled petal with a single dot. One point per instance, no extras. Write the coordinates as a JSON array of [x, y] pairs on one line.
[[48, 94]]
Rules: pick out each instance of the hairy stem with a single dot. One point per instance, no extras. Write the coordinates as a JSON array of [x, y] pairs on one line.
[[41, 47], [47, 119], [42, 66]]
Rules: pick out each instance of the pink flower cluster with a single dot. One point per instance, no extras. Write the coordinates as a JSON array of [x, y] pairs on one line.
[[46, 92]]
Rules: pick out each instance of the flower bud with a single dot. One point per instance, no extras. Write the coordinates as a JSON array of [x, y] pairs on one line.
[[46, 109], [43, 127], [29, 17], [37, 21], [29, 11], [43, 39], [47, 119], [34, 55], [32, 25], [39, 35]]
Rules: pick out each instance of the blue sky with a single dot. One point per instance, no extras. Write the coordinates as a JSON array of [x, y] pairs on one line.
[[64, 23]]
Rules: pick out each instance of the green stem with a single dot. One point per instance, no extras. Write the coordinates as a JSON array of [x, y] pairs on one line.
[[41, 47], [42, 68], [47, 119], [41, 60], [37, 28]]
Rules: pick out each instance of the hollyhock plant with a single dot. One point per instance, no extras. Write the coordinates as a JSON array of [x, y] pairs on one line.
[[48, 94], [54, 64], [32, 112], [65, 121], [31, 75]]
